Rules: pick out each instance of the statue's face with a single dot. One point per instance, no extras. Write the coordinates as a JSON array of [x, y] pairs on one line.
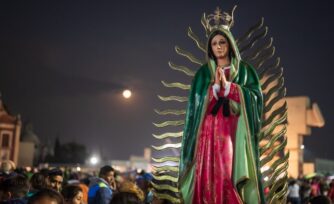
[[220, 46]]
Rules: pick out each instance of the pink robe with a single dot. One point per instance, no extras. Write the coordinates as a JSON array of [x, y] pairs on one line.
[[214, 155]]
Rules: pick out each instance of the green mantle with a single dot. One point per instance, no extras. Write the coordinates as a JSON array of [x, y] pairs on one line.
[[246, 172]]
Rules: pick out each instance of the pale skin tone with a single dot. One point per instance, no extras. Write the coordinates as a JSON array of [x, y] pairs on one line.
[[78, 199], [220, 48]]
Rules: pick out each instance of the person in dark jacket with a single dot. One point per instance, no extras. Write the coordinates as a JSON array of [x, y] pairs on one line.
[[13, 190]]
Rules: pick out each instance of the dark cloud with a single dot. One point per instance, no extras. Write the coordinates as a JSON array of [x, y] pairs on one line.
[[41, 81], [30, 69]]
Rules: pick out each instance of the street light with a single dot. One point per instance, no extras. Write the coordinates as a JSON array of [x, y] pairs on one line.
[[94, 160]]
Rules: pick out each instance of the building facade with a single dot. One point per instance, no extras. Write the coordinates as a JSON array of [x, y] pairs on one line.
[[10, 130], [302, 117]]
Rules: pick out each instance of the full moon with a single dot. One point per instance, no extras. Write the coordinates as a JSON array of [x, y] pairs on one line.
[[127, 93]]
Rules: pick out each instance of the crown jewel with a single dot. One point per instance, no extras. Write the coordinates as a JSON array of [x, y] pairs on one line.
[[221, 19]]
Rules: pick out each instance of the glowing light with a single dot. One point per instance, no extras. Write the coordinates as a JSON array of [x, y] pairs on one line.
[[94, 160], [127, 93], [78, 168], [302, 147]]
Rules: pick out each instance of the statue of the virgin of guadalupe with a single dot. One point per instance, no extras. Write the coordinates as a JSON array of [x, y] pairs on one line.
[[220, 156]]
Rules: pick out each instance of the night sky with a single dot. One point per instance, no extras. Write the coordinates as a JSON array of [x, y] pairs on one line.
[[63, 65]]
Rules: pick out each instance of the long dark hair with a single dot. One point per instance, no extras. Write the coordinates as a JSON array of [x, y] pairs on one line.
[[39, 181], [46, 193], [210, 52], [70, 191]]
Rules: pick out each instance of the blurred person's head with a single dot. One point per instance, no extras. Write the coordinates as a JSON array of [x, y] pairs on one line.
[[320, 200], [14, 187], [132, 188], [119, 180], [39, 181], [157, 200], [7, 166], [73, 176], [314, 181], [125, 198], [293, 182], [331, 184], [144, 181], [73, 179], [107, 173], [46, 196], [56, 179], [72, 194]]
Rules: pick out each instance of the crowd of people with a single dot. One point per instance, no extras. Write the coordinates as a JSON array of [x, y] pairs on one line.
[[54, 186], [315, 190]]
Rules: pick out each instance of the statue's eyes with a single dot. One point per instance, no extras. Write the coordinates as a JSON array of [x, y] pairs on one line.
[[222, 42]]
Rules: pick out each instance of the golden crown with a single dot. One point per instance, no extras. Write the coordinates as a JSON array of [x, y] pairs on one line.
[[220, 20]]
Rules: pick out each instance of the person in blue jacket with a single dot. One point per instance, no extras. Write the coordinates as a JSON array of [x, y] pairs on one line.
[[100, 191]]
